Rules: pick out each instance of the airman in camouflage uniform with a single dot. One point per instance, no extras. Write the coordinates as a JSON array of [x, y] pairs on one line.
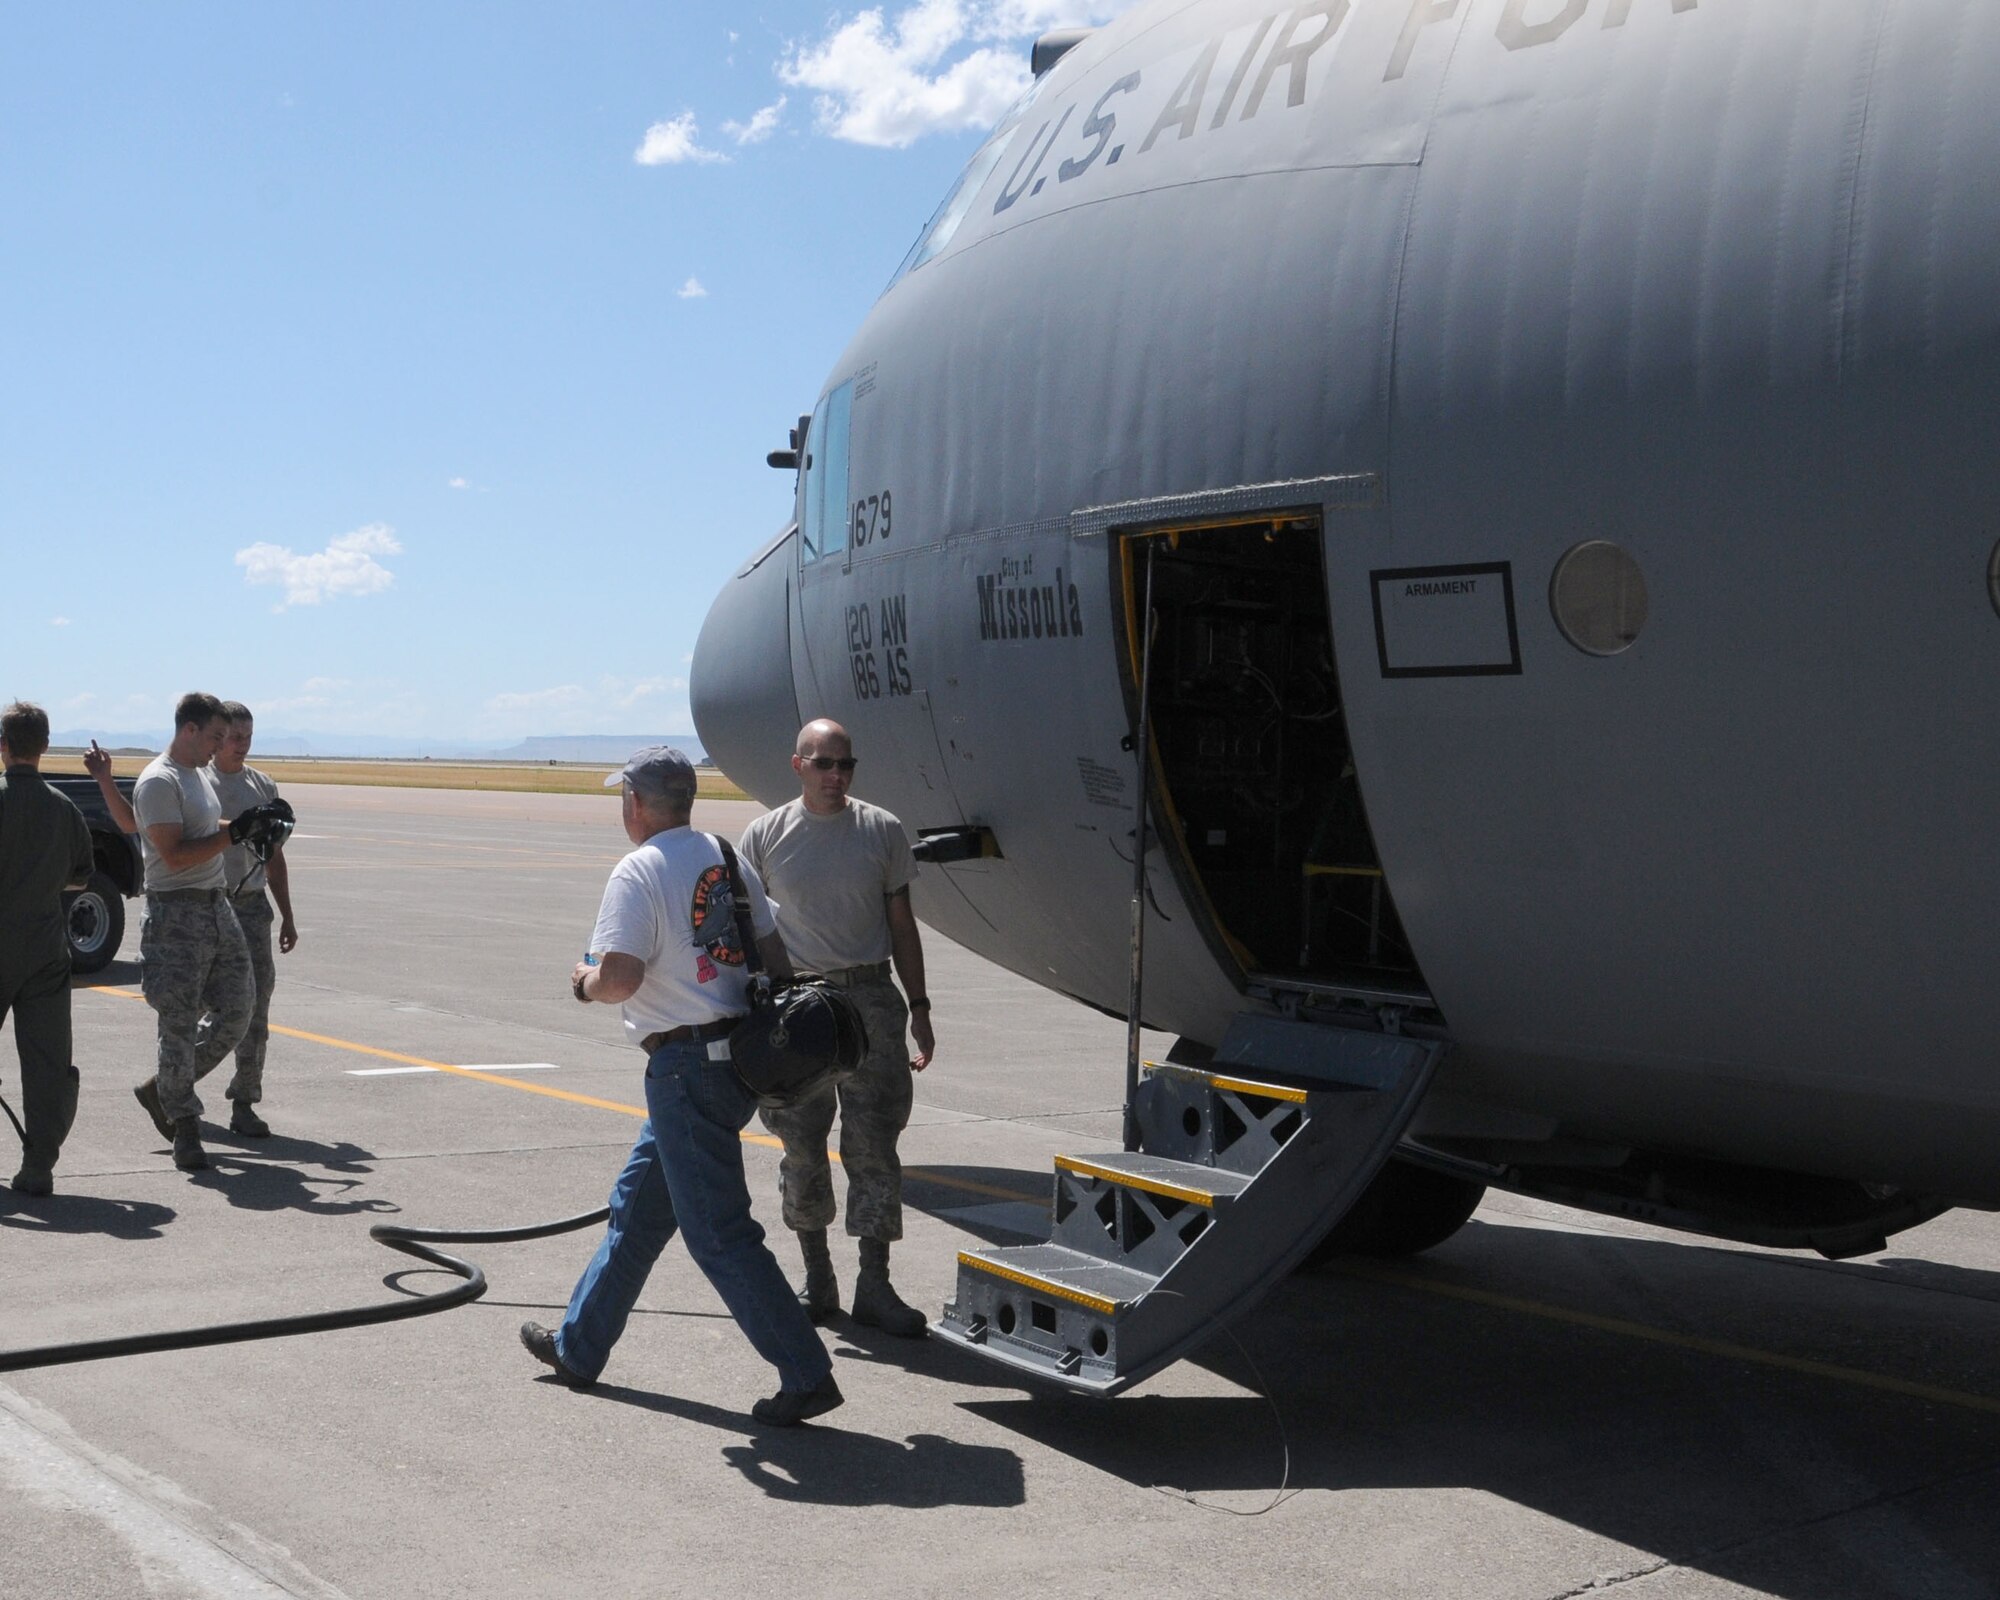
[[240, 787], [196, 972], [839, 871]]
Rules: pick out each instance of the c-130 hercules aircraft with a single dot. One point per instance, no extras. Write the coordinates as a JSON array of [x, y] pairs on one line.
[[1507, 489]]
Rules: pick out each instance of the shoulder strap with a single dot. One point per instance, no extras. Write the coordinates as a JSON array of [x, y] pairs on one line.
[[746, 934]]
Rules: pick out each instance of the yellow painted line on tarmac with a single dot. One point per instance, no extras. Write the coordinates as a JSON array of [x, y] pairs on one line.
[[1398, 1278], [525, 1086], [529, 1087], [1648, 1334]]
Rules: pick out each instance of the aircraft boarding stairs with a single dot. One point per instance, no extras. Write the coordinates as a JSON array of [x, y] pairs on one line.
[[1244, 1164]]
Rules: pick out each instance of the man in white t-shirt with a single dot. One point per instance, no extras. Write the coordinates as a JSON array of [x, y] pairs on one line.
[[841, 870], [666, 947], [194, 960]]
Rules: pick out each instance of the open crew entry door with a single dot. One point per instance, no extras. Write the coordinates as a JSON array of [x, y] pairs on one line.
[[1256, 795]]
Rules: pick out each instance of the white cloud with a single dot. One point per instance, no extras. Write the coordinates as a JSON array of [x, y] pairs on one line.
[[1011, 19], [693, 289], [669, 143], [611, 705], [459, 483], [58, 622], [760, 126], [888, 82], [347, 566]]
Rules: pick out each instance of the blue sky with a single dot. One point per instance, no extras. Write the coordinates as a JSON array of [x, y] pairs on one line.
[[407, 370]]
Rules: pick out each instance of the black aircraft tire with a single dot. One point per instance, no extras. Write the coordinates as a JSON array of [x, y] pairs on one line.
[[1407, 1209], [95, 919]]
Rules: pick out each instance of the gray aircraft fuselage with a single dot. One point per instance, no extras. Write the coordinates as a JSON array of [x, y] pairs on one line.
[[1461, 286]]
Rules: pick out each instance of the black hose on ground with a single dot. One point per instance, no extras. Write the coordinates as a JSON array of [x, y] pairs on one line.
[[410, 1241]]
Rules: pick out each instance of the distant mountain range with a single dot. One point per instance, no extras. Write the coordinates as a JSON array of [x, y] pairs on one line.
[[609, 748]]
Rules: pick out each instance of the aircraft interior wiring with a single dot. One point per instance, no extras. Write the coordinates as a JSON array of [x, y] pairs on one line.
[[1254, 757]]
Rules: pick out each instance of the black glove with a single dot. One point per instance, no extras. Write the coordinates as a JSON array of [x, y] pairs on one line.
[[264, 828]]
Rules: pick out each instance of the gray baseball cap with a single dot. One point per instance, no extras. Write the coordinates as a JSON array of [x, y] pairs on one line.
[[656, 771]]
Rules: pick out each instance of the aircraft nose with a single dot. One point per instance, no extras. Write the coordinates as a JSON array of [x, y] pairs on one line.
[[746, 712]]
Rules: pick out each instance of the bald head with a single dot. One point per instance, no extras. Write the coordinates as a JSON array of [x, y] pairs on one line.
[[815, 736], [824, 760]]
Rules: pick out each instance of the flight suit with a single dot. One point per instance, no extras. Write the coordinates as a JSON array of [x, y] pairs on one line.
[[44, 848]]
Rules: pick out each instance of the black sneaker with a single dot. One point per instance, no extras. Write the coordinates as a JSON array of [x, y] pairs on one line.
[[148, 1096], [243, 1120], [541, 1344], [789, 1407]]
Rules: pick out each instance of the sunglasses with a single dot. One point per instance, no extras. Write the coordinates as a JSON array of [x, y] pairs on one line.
[[828, 763]]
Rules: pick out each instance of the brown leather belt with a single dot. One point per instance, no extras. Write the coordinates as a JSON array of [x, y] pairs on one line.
[[691, 1033]]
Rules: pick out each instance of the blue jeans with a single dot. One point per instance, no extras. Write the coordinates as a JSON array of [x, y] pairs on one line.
[[686, 1172]]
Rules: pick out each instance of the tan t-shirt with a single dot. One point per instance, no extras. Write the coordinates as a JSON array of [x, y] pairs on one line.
[[169, 792], [829, 876], [238, 792]]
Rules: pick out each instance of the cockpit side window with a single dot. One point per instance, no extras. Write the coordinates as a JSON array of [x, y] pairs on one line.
[[945, 220], [809, 519], [823, 512]]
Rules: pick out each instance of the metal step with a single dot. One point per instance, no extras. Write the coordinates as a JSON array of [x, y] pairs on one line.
[[1175, 1180], [1045, 1309], [1138, 1210], [1215, 1118], [1209, 1077], [1246, 1162]]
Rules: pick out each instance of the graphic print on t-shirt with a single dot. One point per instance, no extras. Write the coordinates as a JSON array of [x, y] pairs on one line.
[[714, 917]]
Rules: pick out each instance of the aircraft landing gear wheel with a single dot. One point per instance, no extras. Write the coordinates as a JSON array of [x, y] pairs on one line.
[[95, 919], [1407, 1209]]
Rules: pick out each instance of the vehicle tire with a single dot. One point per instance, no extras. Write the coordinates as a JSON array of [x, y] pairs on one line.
[[95, 918], [1406, 1209]]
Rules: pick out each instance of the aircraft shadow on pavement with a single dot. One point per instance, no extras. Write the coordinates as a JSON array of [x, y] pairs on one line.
[[1784, 1481], [830, 1465], [65, 1212]]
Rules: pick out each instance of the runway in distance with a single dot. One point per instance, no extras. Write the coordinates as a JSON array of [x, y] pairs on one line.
[[1557, 437]]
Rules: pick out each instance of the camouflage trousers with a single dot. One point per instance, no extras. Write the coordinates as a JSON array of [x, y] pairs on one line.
[[874, 1104], [253, 915], [198, 980]]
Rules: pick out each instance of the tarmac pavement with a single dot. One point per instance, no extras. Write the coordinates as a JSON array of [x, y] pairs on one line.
[[1549, 1404]]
